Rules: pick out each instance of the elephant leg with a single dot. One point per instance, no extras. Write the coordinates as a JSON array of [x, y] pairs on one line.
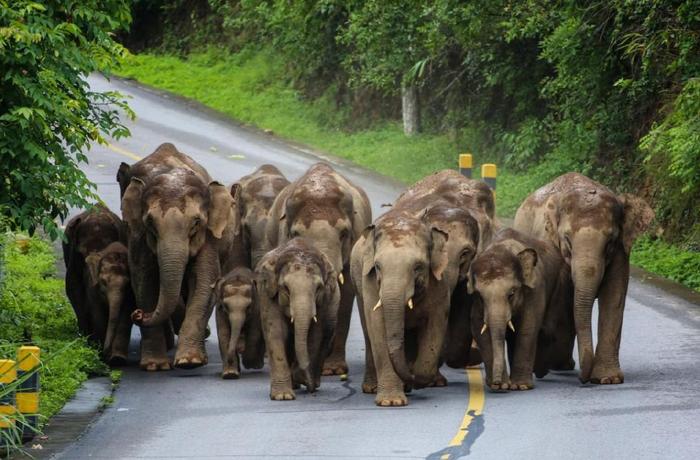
[[390, 387], [611, 305], [191, 351], [526, 334], [369, 384], [276, 336], [430, 340], [335, 364], [154, 355]]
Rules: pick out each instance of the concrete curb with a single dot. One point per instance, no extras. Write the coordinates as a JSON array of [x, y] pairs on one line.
[[71, 422]]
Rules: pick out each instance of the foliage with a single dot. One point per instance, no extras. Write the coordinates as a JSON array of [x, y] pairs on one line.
[[34, 309], [669, 261], [49, 116]]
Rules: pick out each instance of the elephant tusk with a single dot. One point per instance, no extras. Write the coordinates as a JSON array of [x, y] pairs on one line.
[[410, 303], [315, 319], [341, 279], [510, 325], [483, 329], [291, 319], [379, 304]]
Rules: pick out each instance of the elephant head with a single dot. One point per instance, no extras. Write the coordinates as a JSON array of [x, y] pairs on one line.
[[320, 210], [108, 272], [502, 277], [177, 213], [463, 241], [234, 300], [403, 256], [302, 282], [592, 227]]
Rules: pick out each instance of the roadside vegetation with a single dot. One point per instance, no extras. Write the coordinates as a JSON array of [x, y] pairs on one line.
[[34, 310]]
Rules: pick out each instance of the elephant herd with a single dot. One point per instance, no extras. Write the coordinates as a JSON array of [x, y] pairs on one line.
[[437, 280]]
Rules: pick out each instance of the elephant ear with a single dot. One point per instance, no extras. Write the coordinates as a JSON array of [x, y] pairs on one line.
[[528, 262], [368, 256], [637, 217], [237, 195], [216, 291], [132, 206], [123, 177], [438, 252], [330, 279], [266, 277], [93, 265], [470, 282], [71, 229], [221, 213]]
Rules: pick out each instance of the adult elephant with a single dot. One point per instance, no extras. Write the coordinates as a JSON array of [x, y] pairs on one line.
[[257, 192], [594, 229], [326, 208], [182, 227], [398, 270], [475, 199]]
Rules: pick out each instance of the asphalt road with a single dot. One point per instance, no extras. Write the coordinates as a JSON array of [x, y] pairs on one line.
[[195, 414]]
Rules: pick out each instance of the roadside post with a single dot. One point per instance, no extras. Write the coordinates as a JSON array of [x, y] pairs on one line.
[[28, 392], [465, 164], [8, 376], [488, 175]]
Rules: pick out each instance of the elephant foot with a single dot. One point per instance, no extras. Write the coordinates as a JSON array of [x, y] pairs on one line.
[[334, 366], [610, 376], [524, 386], [369, 387], [117, 360], [282, 395], [385, 399], [499, 387], [155, 364], [439, 381], [230, 374], [190, 359]]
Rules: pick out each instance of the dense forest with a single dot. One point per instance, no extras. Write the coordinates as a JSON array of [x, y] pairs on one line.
[[609, 88]]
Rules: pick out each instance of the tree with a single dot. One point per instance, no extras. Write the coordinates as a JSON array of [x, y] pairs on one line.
[[49, 116]]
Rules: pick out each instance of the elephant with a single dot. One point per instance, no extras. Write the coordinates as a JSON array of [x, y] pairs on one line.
[[257, 192], [326, 208], [97, 280], [398, 271], [476, 199], [520, 281], [238, 323], [299, 296], [594, 230], [182, 229]]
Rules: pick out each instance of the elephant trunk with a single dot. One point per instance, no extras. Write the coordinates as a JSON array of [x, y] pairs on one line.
[[236, 321], [394, 309], [497, 330], [586, 276], [303, 310], [114, 301], [172, 261]]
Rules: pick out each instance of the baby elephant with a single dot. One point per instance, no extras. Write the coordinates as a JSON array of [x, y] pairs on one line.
[[97, 280], [238, 323], [298, 294], [522, 285]]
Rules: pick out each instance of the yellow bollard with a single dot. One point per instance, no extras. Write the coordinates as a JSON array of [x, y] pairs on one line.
[[465, 164], [28, 391], [488, 175], [8, 375]]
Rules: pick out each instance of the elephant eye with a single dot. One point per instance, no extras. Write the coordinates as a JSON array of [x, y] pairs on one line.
[[344, 234], [511, 294], [419, 268]]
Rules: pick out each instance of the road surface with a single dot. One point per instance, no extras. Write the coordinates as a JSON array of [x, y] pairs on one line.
[[195, 414]]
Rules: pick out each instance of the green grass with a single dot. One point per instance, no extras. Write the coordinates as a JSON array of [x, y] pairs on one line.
[[670, 261], [251, 87], [34, 309]]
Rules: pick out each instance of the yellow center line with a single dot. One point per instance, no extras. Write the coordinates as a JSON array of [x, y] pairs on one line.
[[122, 151], [475, 406]]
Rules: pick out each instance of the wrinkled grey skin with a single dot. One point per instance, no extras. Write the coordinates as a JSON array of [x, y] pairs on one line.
[[298, 294], [182, 231], [98, 282], [330, 211], [238, 323], [594, 230], [256, 193], [398, 267], [521, 281]]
